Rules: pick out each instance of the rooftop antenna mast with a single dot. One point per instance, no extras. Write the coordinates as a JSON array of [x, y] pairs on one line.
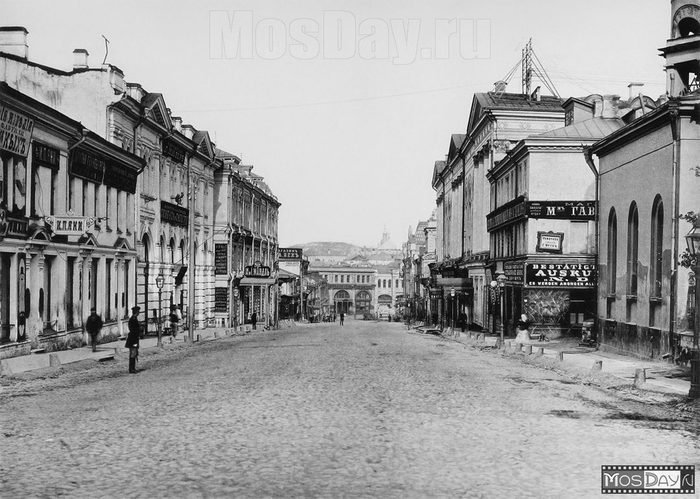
[[530, 66], [106, 49], [526, 67]]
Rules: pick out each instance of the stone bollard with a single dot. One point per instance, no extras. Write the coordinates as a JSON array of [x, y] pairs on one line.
[[598, 365], [640, 377], [199, 337], [528, 349], [561, 357], [54, 361], [540, 351]]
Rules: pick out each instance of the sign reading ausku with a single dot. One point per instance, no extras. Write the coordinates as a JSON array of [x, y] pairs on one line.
[[648, 479], [560, 275]]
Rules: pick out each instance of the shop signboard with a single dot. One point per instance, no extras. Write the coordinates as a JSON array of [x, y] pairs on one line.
[[69, 225], [290, 253], [220, 299], [560, 275], [550, 242], [15, 132], [257, 270], [563, 210], [220, 259], [514, 272]]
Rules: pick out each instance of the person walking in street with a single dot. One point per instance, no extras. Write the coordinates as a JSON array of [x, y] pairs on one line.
[[254, 319], [132, 341], [174, 320], [342, 318], [93, 325]]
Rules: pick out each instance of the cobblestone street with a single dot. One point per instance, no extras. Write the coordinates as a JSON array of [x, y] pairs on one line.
[[366, 410]]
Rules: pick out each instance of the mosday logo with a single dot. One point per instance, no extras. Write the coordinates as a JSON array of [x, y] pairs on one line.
[[648, 479]]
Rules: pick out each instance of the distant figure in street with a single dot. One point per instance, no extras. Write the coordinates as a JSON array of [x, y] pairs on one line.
[[463, 321], [523, 330], [254, 319], [174, 320], [132, 341], [21, 324], [93, 325], [342, 318]]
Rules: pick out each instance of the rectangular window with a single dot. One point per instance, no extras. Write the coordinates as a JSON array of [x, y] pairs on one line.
[[54, 192], [70, 269]]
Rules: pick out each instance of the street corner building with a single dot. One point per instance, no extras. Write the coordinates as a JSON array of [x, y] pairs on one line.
[[649, 201], [59, 183], [108, 200]]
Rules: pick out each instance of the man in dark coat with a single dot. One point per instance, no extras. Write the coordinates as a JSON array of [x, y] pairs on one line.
[[132, 341], [254, 319], [93, 325]]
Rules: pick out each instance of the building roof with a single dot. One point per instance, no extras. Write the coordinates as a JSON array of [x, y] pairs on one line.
[[505, 100], [594, 128]]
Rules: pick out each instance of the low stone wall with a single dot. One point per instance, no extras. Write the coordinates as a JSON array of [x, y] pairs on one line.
[[630, 339]]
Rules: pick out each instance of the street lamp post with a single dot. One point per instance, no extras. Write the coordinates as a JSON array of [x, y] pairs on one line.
[[501, 280], [160, 280], [693, 241], [452, 308]]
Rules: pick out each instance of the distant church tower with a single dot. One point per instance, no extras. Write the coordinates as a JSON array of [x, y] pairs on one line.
[[386, 242], [682, 50]]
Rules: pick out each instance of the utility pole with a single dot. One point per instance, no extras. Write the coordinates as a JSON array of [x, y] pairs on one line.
[[191, 186]]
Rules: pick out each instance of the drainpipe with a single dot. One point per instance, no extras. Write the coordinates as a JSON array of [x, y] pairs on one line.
[[675, 123], [191, 190], [588, 154]]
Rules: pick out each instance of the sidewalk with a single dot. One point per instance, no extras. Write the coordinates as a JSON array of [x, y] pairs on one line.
[[566, 354], [107, 351]]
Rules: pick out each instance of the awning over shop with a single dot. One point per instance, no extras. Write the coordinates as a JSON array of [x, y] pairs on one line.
[[257, 281], [454, 282]]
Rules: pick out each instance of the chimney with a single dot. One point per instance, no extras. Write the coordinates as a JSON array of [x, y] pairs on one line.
[[635, 90], [177, 123], [80, 59], [610, 106], [13, 40], [500, 86]]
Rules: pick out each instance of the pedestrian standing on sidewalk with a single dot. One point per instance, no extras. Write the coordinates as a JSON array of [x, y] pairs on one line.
[[342, 318], [254, 319], [93, 325], [132, 341], [174, 320]]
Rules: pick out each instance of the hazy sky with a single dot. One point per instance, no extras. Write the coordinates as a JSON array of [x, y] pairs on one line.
[[344, 106]]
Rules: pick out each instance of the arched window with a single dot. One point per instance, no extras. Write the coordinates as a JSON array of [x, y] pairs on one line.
[[657, 244], [162, 249], [612, 252], [632, 249], [171, 250]]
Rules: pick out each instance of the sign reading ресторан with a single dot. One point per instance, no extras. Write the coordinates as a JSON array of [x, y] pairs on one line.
[[15, 131], [290, 253], [560, 275]]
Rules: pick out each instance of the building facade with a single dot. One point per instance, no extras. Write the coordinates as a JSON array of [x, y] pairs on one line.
[[649, 180], [59, 182]]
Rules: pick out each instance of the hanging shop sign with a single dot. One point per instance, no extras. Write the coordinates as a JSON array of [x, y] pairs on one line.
[[560, 275], [220, 258], [15, 131], [70, 226], [256, 270], [290, 253], [173, 214], [514, 272], [566, 210], [550, 242]]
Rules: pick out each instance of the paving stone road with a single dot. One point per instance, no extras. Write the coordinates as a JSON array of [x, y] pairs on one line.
[[366, 410]]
